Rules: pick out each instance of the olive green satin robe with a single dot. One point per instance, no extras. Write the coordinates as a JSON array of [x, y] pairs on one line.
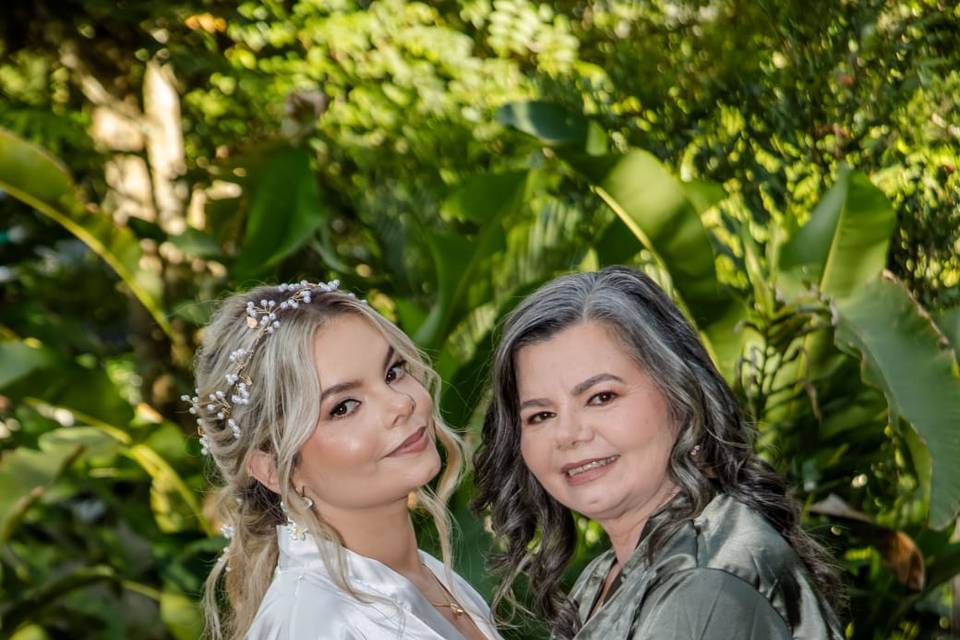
[[727, 574]]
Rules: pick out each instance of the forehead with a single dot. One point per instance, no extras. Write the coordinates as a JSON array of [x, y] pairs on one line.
[[572, 355], [346, 346]]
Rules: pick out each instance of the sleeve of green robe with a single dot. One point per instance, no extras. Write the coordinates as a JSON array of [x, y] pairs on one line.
[[708, 604]]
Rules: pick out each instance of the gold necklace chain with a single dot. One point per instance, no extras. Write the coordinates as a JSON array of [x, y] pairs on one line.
[[453, 605]]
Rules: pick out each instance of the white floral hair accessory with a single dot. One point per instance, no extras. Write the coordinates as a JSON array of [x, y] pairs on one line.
[[264, 318]]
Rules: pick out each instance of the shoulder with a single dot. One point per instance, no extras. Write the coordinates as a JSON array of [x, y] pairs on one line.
[[732, 543], [304, 606], [708, 603], [735, 538]]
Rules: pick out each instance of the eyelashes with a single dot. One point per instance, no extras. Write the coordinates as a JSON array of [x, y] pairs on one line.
[[344, 408], [599, 399], [396, 371]]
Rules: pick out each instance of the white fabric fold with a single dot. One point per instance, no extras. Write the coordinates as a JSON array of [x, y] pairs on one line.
[[304, 603]]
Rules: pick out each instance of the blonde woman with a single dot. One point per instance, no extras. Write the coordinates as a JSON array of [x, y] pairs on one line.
[[320, 416]]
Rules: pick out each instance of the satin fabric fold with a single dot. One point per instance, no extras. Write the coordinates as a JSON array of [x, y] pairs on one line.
[[726, 574], [304, 603]]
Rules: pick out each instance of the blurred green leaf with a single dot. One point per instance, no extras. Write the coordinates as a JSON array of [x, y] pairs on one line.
[[949, 322], [19, 359], [654, 206], [24, 476], [196, 243], [901, 354], [285, 210], [27, 605], [94, 442], [457, 259], [549, 122], [33, 176]]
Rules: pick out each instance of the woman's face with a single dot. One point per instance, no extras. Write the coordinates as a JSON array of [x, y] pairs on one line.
[[595, 429], [374, 442]]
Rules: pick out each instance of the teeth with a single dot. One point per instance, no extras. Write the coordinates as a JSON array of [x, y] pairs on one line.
[[590, 465]]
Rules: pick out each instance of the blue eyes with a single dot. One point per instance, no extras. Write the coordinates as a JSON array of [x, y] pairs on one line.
[[395, 372]]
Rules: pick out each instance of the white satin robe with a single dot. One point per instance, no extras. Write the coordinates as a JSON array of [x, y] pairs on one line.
[[304, 603]]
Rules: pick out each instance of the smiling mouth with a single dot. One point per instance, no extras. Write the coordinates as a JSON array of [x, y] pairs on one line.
[[572, 471], [414, 443]]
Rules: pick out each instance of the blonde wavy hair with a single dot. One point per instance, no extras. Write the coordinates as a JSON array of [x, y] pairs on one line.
[[281, 415]]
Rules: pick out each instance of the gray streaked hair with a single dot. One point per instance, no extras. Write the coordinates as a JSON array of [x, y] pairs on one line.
[[703, 410]]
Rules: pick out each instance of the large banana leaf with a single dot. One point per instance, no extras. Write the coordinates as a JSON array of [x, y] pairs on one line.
[[844, 244], [902, 355], [31, 175], [659, 210]]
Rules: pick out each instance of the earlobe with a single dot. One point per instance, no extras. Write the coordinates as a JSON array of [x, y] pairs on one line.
[[262, 467]]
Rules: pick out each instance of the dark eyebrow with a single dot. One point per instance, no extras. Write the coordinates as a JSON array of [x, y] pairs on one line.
[[592, 380], [537, 402], [577, 390], [337, 388], [388, 357]]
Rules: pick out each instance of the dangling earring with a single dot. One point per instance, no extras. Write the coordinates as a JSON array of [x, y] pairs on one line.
[[307, 500], [695, 451], [296, 532], [412, 500]]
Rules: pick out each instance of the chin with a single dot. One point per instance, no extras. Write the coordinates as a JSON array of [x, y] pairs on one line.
[[434, 466]]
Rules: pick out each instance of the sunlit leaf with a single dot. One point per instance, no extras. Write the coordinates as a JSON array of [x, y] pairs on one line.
[[844, 244], [655, 207], [181, 615], [31, 175], [174, 505]]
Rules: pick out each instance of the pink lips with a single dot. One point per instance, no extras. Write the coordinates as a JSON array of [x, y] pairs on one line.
[[416, 443]]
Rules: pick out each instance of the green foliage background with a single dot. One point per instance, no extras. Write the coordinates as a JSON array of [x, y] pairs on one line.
[[788, 170]]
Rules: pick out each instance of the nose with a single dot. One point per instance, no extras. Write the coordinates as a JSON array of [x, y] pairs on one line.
[[400, 406], [571, 431]]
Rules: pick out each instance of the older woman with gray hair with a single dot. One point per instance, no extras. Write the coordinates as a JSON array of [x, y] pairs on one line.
[[606, 403]]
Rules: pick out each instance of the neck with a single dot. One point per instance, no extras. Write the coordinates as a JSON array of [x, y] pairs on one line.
[[362, 532], [624, 529]]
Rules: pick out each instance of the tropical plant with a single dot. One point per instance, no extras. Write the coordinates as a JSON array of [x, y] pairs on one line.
[[854, 387], [212, 146]]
